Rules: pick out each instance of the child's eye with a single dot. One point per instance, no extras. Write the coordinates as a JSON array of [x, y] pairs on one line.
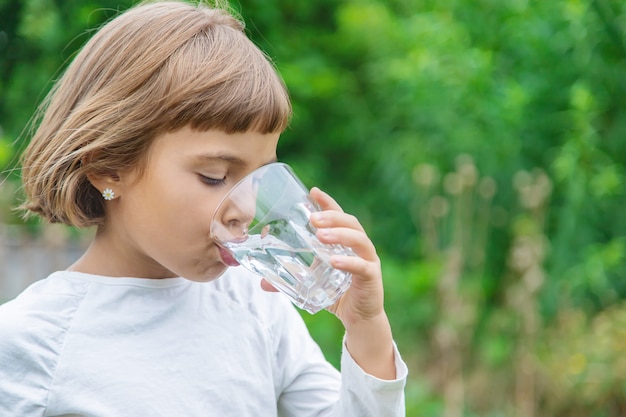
[[212, 181]]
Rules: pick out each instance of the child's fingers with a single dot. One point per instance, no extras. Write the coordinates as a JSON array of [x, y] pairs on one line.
[[358, 267], [325, 201], [360, 244], [333, 218], [336, 227]]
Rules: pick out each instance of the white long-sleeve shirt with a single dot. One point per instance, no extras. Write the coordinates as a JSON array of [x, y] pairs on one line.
[[86, 345]]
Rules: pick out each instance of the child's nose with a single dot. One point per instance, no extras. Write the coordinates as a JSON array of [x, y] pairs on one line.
[[236, 217]]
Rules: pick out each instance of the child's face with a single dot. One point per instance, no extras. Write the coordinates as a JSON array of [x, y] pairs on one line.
[[159, 226]]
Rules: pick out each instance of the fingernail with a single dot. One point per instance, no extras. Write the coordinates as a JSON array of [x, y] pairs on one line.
[[337, 262], [318, 218], [324, 233]]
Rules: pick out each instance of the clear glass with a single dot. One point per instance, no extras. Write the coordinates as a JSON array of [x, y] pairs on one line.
[[263, 222]]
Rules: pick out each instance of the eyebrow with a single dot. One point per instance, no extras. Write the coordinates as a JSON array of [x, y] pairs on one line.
[[231, 158], [222, 157]]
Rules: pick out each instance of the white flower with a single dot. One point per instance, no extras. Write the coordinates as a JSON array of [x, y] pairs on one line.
[[108, 194]]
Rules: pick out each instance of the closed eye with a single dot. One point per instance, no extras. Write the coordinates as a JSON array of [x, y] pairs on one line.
[[212, 181]]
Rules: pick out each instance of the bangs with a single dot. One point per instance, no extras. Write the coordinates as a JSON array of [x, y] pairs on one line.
[[220, 80]]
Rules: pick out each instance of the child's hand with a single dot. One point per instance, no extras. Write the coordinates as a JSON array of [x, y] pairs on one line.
[[364, 298], [360, 309]]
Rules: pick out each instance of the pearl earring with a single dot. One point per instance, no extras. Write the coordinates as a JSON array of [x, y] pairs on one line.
[[108, 194]]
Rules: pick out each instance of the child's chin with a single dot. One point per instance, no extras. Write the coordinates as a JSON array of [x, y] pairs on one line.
[[214, 273]]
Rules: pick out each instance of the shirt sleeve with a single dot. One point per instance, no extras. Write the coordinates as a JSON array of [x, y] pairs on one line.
[[365, 395], [30, 340], [33, 327], [25, 368], [310, 386]]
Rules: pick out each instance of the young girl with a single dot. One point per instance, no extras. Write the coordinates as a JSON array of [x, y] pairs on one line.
[[164, 110]]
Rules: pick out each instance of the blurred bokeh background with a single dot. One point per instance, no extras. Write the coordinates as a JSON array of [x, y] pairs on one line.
[[482, 144]]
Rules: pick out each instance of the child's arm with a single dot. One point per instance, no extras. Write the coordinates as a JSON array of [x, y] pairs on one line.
[[360, 309]]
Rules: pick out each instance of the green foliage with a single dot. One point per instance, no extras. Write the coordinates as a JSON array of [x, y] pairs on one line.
[[584, 365], [480, 143], [5, 150]]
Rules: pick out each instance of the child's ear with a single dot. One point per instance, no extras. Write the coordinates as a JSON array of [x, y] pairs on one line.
[[107, 184], [103, 180]]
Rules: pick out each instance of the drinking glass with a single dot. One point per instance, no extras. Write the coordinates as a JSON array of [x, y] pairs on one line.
[[263, 223]]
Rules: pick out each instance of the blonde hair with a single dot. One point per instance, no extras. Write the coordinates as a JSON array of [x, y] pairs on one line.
[[155, 68]]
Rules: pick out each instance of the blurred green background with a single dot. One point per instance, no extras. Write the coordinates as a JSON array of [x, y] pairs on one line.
[[482, 144]]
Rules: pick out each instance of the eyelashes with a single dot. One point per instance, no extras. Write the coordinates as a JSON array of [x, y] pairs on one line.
[[212, 181]]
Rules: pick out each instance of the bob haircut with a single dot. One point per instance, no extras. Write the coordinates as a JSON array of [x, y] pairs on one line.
[[156, 68]]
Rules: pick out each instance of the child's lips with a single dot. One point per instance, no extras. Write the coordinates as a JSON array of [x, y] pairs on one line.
[[227, 258]]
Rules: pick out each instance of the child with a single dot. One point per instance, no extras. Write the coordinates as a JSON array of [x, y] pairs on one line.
[[164, 110]]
